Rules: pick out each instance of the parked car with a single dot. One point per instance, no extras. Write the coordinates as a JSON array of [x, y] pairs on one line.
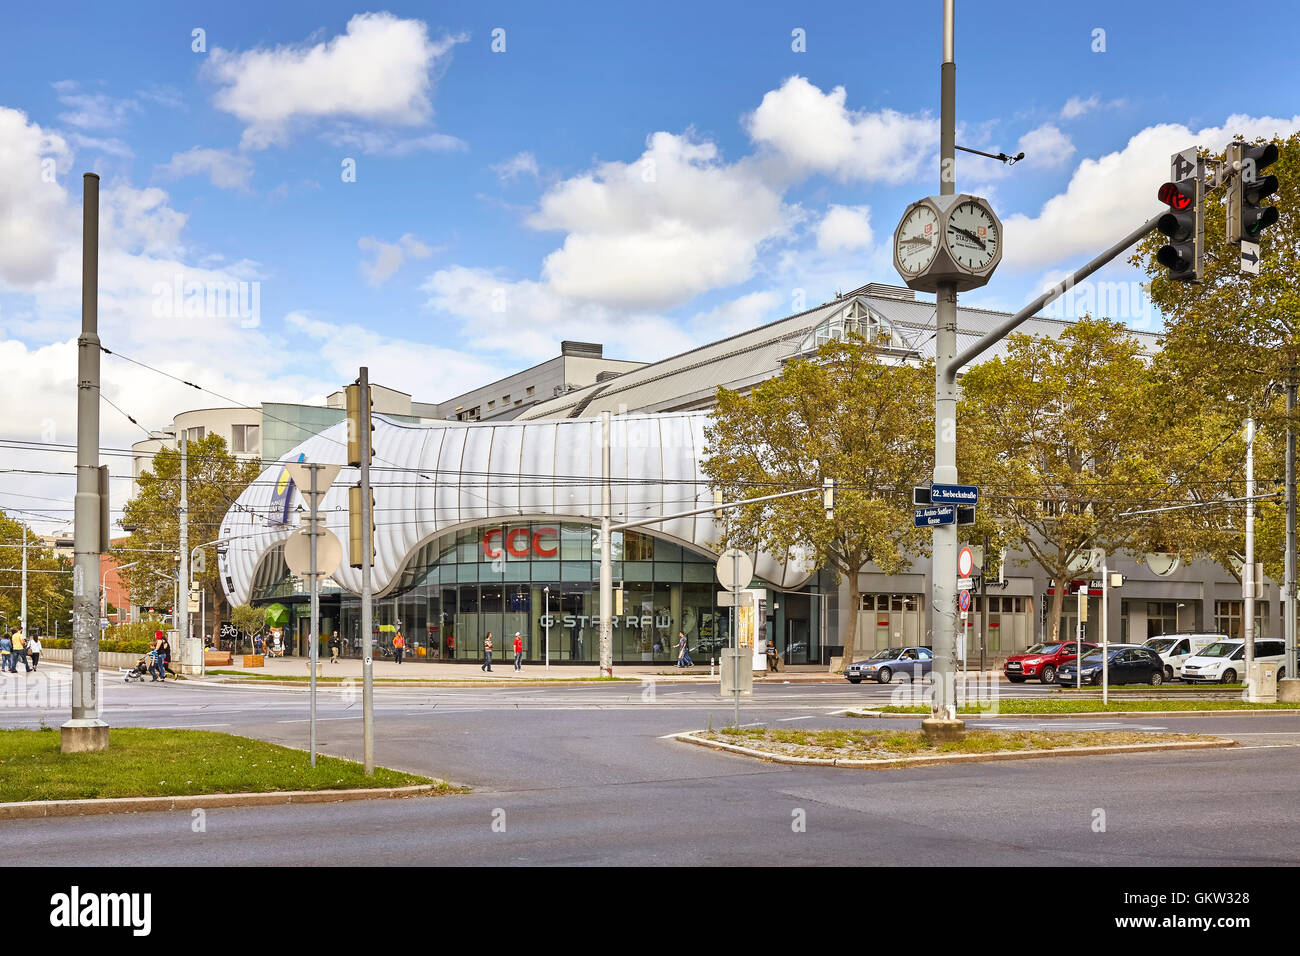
[[1225, 661], [1174, 649], [888, 662], [1125, 664], [1042, 661]]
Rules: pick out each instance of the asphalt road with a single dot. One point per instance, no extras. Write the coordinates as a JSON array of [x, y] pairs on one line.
[[584, 775]]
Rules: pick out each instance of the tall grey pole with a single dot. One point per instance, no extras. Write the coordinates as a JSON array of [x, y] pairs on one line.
[[86, 731], [315, 604], [546, 616], [984, 605], [1289, 582], [735, 632], [1105, 636], [943, 609], [22, 610], [1248, 578], [606, 559], [367, 536], [183, 606]]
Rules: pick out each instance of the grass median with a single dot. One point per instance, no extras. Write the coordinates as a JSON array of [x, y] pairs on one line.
[[306, 678], [1040, 706], [904, 744], [168, 763]]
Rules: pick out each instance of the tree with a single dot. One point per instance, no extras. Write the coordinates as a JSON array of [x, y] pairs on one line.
[[49, 578], [1231, 344], [215, 479], [1056, 433], [849, 413]]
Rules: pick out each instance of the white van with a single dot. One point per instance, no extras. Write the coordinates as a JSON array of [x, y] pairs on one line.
[[1174, 649], [1225, 661]]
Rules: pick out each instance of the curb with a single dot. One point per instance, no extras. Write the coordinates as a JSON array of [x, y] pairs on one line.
[[1085, 713], [1217, 743], [74, 808]]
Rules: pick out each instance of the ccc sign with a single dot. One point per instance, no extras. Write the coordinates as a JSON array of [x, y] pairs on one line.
[[520, 542]]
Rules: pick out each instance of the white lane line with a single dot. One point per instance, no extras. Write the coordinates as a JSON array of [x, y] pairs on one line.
[[188, 726], [784, 719], [305, 720]]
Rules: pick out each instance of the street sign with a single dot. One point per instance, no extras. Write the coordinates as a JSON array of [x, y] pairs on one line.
[[937, 515], [300, 472], [920, 496], [965, 514], [1250, 257], [297, 552], [735, 569], [965, 584], [963, 601], [954, 494], [1182, 164], [735, 598], [965, 562]]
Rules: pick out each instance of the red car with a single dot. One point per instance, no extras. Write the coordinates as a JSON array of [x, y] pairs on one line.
[[1042, 661]]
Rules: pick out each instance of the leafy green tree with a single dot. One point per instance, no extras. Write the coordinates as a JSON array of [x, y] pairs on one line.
[[215, 479], [850, 413], [1056, 434], [49, 579]]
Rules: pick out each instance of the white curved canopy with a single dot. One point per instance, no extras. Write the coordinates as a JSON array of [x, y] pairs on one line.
[[431, 479]]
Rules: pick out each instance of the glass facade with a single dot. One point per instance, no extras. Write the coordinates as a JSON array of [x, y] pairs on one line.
[[542, 580]]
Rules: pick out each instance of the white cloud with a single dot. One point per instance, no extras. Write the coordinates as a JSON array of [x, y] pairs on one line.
[[1112, 194], [659, 231], [844, 228], [225, 169], [379, 70], [389, 256], [516, 166], [1076, 106], [815, 132], [385, 143], [738, 315], [93, 110], [31, 199], [109, 146], [1046, 147]]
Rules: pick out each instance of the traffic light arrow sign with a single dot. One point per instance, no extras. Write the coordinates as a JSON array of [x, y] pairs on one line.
[[1250, 257]]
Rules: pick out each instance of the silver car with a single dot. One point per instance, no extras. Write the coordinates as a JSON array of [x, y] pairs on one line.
[[884, 665]]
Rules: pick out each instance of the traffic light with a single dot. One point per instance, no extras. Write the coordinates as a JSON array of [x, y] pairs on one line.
[[1184, 224], [359, 423], [357, 541], [828, 497], [1247, 219]]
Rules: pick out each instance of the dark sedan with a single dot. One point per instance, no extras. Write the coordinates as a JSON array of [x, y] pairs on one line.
[[887, 662], [1124, 665]]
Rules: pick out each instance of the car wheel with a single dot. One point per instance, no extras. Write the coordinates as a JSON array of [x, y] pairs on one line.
[[855, 680], [1229, 677], [1095, 679], [1157, 678], [1169, 673], [1016, 680], [885, 675], [1048, 675]]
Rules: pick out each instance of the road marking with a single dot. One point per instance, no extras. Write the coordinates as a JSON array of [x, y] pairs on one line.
[[783, 719], [305, 720]]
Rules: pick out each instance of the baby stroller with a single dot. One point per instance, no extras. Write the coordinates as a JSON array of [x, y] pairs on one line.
[[139, 672]]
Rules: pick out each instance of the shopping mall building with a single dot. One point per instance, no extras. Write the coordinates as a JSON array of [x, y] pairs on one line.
[[487, 518]]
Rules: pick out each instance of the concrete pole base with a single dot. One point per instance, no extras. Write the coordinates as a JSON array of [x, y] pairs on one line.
[[83, 736], [939, 731], [1288, 690]]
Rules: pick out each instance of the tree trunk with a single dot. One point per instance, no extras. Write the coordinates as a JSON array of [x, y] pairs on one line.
[[1058, 601], [851, 638]]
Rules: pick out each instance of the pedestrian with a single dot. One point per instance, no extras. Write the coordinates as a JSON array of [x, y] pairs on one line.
[[771, 656], [487, 653], [335, 644], [7, 650], [257, 643], [34, 645], [399, 645], [519, 652], [683, 656], [20, 653], [156, 666]]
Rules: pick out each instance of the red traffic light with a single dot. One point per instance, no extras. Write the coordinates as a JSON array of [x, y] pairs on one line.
[[1175, 196]]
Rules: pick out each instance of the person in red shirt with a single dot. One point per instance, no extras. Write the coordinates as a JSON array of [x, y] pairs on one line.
[[519, 652]]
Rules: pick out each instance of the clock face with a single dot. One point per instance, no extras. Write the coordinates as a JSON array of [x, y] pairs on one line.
[[918, 240], [972, 236]]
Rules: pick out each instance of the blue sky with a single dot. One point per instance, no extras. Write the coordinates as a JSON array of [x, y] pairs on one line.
[[647, 176]]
